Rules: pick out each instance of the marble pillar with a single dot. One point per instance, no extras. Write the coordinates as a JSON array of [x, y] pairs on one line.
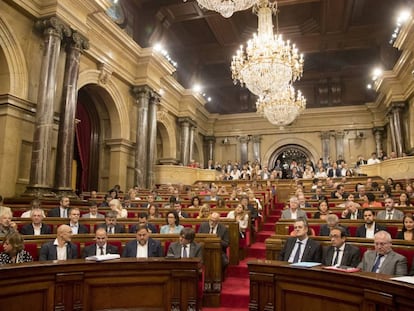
[[142, 96], [64, 156], [378, 137], [152, 138], [256, 139], [339, 140], [191, 143], [210, 142], [326, 146], [40, 171], [244, 141], [185, 140], [396, 109]]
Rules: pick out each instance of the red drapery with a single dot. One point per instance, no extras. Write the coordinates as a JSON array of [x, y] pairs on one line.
[[83, 141]]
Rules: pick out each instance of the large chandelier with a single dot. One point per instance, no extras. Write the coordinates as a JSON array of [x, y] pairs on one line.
[[226, 7], [269, 66], [281, 108]]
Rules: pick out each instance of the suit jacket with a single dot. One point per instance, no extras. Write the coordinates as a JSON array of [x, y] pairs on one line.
[[312, 250], [150, 227], [222, 233], [350, 257], [88, 215], [118, 228], [55, 212], [331, 172], [28, 229], [154, 249], [48, 251], [412, 268], [81, 228], [394, 263], [326, 231], [174, 250], [286, 214], [362, 231], [396, 215], [360, 215], [90, 250]]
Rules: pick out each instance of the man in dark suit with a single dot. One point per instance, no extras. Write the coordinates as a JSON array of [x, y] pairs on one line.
[[334, 171], [301, 247], [61, 248], [143, 246], [143, 220], [340, 253], [177, 208], [332, 221], [383, 259], [62, 210], [101, 247], [370, 227], [77, 228], [110, 224], [352, 211], [213, 226], [185, 247], [36, 227]]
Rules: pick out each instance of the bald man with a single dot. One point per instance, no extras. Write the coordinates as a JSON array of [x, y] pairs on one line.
[[61, 248]]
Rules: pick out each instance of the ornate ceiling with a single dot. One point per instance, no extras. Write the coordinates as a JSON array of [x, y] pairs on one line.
[[342, 40]]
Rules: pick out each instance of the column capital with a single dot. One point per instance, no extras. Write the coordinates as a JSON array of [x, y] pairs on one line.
[[339, 134], [139, 91], [378, 129], [395, 107], [256, 138], [325, 135], [186, 120], [210, 139], [77, 41], [155, 98], [244, 139], [53, 26]]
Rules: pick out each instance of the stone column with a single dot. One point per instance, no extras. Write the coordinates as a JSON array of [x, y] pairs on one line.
[[191, 143], [244, 141], [257, 147], [378, 136], [185, 140], [392, 129], [339, 139], [152, 138], [210, 145], [142, 96], [64, 155], [397, 135], [326, 145], [40, 171]]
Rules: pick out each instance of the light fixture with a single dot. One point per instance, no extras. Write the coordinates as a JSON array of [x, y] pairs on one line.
[[226, 7], [281, 108], [269, 63]]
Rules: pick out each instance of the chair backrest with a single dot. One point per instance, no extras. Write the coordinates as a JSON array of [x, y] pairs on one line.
[[31, 248]]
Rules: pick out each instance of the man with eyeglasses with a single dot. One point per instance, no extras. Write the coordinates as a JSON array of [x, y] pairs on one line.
[[383, 259], [100, 247], [300, 247], [390, 212], [340, 253], [185, 247]]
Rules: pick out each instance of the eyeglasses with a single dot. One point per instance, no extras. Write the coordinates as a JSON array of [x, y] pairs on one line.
[[334, 236]]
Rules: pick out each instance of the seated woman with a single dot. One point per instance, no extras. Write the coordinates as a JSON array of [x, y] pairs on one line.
[[370, 201], [221, 203], [241, 215], [195, 202], [173, 223], [116, 206], [323, 210], [204, 212], [153, 212], [13, 250], [407, 232], [404, 201]]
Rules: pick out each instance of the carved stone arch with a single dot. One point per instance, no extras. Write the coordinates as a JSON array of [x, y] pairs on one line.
[[304, 146], [166, 132], [15, 61], [115, 106]]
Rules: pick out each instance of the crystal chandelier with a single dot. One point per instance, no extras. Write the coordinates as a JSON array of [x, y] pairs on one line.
[[268, 67], [226, 7], [281, 108]]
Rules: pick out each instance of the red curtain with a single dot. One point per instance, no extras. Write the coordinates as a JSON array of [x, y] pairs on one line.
[[83, 141]]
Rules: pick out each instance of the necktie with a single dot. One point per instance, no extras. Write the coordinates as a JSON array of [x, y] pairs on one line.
[[102, 251], [297, 254], [377, 263], [185, 251], [336, 257], [389, 216]]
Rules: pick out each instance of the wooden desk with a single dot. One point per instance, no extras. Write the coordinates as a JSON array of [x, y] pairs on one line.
[[130, 283], [274, 285]]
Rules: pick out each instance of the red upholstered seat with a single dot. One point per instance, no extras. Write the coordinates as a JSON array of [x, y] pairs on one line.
[[31, 248]]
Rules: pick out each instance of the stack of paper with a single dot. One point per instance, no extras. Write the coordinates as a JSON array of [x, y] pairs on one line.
[[103, 257]]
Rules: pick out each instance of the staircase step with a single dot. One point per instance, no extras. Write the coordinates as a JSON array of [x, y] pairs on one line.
[[272, 218], [257, 250], [235, 292], [269, 226], [263, 235]]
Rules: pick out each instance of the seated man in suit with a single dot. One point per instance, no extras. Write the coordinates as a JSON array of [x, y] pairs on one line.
[[62, 210], [351, 211], [143, 220], [332, 221], [61, 248], [390, 213], [143, 246], [383, 259], [370, 227], [213, 226], [93, 211], [110, 224], [36, 227], [293, 212], [6, 223], [100, 247], [178, 209], [301, 247], [77, 228], [340, 253], [185, 247]]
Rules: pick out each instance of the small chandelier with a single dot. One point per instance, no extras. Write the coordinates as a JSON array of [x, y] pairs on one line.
[[281, 108], [269, 63], [226, 7]]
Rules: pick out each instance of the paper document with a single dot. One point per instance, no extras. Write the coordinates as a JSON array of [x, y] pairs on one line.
[[103, 257], [305, 264], [406, 279]]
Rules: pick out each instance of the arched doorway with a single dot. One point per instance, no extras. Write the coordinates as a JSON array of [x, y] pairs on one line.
[[286, 154]]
